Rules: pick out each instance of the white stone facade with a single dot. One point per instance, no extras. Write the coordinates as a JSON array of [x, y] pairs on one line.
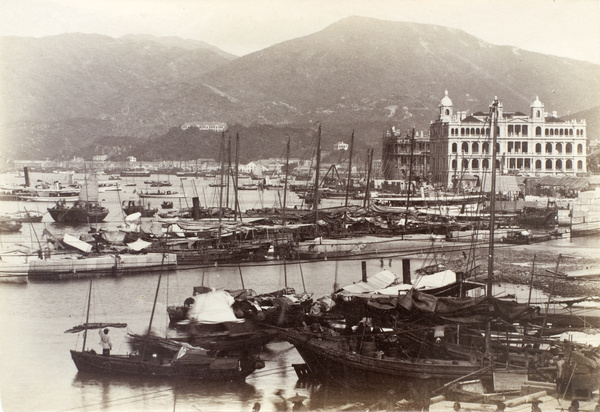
[[533, 144]]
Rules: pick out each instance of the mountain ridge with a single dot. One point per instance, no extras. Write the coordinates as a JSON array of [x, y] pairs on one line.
[[358, 73]]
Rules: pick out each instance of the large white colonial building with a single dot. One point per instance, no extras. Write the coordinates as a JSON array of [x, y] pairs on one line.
[[532, 145]]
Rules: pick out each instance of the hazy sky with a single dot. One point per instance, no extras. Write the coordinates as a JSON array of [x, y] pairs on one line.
[[568, 28]]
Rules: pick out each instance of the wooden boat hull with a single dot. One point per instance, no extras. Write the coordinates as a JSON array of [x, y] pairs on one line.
[[77, 215], [207, 368], [334, 362]]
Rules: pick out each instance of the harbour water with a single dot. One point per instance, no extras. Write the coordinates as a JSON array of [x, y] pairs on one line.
[[39, 375]]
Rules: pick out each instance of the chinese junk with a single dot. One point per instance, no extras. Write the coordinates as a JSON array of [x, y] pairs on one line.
[[162, 358]]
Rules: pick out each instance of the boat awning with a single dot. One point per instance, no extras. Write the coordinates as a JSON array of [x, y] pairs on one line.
[[423, 283], [76, 243], [87, 326], [379, 281], [504, 184]]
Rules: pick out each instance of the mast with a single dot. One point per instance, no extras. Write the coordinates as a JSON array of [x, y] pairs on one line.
[[494, 125], [228, 170], [368, 188], [153, 308], [316, 195], [221, 186], [490, 276], [237, 166], [285, 185], [87, 316], [410, 166], [349, 168]]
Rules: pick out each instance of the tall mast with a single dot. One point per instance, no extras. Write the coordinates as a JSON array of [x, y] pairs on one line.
[[410, 166], [285, 185], [316, 196], [153, 308], [349, 168], [221, 186], [237, 166], [87, 316], [494, 125], [368, 187], [228, 170], [490, 276]]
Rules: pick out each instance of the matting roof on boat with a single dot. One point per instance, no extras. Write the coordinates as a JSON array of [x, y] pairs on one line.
[[504, 184], [378, 281], [424, 283]]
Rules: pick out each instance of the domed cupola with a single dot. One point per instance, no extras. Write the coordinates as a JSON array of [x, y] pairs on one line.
[[446, 107], [537, 109]]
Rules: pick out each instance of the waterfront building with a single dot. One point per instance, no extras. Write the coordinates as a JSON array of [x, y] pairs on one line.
[[340, 146], [535, 144], [209, 126], [397, 158]]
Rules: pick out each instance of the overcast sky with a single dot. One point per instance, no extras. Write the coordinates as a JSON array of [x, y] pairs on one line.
[[569, 28]]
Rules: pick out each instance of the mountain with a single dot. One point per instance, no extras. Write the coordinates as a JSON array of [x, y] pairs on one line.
[[359, 73]]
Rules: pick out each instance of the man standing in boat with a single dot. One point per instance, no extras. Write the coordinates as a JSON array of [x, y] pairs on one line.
[[105, 342]]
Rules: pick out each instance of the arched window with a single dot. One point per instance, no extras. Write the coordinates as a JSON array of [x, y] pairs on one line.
[[538, 131], [475, 147], [568, 148], [559, 164], [478, 131], [485, 163], [465, 163], [562, 132], [454, 147], [485, 147], [546, 132], [538, 148], [462, 131], [475, 164], [497, 163], [487, 131], [465, 147], [447, 112], [570, 132], [579, 149], [538, 164], [472, 130], [451, 132], [549, 164], [579, 165], [549, 148], [569, 164], [454, 164], [497, 147], [538, 113], [558, 147]]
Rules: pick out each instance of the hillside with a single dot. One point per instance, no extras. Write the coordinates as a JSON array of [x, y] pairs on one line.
[[359, 73]]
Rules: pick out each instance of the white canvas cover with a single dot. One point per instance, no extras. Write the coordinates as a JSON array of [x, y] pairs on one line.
[[424, 282], [378, 281], [138, 245], [213, 307], [76, 243]]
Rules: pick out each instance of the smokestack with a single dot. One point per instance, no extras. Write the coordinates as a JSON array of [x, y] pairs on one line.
[[26, 173], [195, 208], [406, 272], [364, 271]]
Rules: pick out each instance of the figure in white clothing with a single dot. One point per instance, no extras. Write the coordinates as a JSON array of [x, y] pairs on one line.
[[105, 342]]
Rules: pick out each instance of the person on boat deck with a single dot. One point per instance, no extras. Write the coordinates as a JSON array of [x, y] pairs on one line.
[[105, 342]]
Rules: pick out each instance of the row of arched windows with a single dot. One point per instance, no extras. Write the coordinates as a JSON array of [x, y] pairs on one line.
[[549, 164], [558, 147], [557, 132], [522, 147], [520, 130]]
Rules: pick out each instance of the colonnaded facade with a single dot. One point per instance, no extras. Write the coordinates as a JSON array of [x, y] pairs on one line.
[[536, 144]]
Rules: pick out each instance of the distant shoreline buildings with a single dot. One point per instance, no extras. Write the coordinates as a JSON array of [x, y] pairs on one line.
[[208, 126]]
